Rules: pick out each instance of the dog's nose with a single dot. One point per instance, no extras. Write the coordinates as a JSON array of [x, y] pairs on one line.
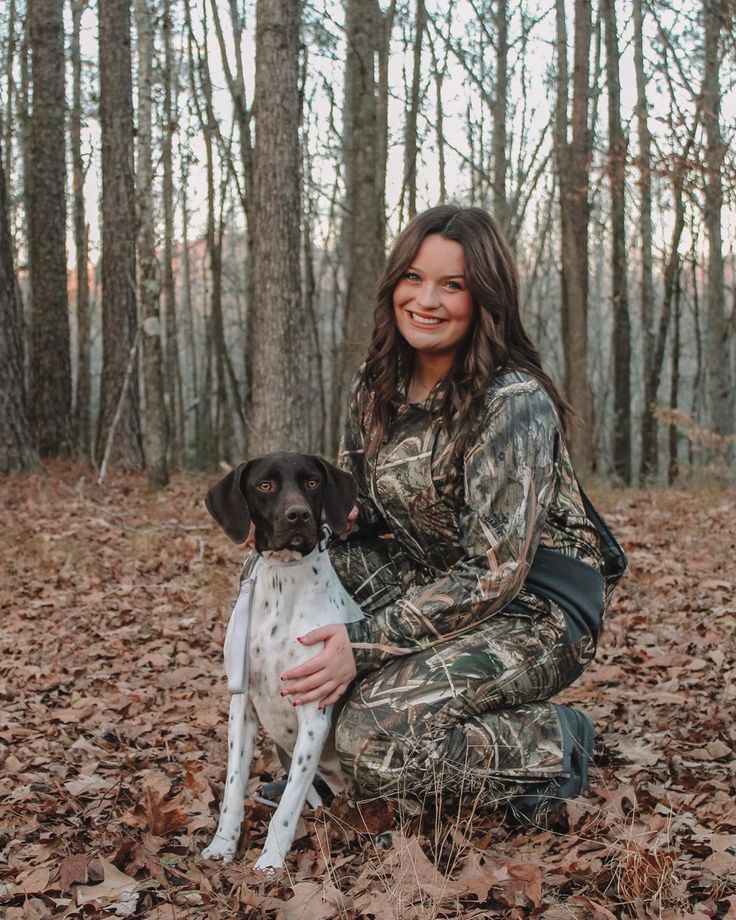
[[298, 513]]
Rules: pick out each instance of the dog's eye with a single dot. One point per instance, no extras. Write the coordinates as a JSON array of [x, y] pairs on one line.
[[312, 483], [265, 486]]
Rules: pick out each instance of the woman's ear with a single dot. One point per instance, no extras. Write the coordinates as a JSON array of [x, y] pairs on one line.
[[340, 492], [226, 503]]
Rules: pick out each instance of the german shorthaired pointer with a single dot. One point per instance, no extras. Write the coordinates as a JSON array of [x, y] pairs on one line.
[[292, 590]]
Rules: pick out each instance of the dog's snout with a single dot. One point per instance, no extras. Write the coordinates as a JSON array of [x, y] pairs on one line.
[[298, 514]]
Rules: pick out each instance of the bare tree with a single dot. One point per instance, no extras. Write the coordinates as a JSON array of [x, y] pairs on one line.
[[573, 163], [119, 319], [16, 450], [617, 149], [278, 416], [409, 188], [82, 405], [717, 368], [149, 279], [50, 379], [363, 227]]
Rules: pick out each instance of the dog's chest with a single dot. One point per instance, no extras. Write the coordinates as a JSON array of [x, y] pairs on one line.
[[288, 602]]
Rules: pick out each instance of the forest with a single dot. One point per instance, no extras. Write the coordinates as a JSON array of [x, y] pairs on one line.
[[196, 203]]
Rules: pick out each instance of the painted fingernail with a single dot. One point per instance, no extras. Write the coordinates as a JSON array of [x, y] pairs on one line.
[[283, 693], [300, 639], [296, 702]]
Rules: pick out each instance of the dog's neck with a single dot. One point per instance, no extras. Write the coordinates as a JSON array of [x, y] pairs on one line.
[[290, 557]]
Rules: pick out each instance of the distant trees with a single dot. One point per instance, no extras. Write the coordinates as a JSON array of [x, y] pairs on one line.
[[223, 298]]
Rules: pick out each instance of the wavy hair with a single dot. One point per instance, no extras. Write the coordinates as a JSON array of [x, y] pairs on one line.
[[497, 339]]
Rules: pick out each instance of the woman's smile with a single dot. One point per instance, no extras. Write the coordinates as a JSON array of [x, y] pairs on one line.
[[433, 307]]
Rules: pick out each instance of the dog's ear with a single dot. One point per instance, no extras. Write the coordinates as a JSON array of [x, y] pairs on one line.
[[226, 503], [340, 492]]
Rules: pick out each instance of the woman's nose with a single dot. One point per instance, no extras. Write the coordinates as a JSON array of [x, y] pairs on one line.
[[428, 296]]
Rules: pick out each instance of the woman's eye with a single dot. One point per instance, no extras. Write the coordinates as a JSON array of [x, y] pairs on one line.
[[412, 276], [312, 483], [454, 285], [265, 486]]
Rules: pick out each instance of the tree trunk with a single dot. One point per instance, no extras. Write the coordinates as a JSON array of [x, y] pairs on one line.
[[672, 466], [278, 416], [173, 377], [119, 321], [617, 146], [385, 28], [363, 227], [82, 407], [149, 281], [648, 466], [499, 109], [410, 132], [573, 162], [717, 367], [16, 450], [50, 365]]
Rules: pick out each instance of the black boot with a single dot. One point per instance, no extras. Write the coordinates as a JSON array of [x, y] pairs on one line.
[[578, 737], [275, 789]]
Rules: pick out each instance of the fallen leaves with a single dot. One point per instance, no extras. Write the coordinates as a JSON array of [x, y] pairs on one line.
[[114, 604]]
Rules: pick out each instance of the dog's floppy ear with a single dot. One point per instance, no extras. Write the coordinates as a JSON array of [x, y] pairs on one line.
[[340, 492], [226, 503]]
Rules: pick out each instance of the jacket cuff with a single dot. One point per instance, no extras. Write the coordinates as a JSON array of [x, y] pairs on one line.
[[365, 658]]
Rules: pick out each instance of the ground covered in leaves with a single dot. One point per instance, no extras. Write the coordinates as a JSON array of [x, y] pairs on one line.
[[113, 733]]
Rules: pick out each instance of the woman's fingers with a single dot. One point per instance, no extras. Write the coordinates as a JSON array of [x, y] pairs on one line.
[[307, 683], [334, 696], [317, 694], [310, 666]]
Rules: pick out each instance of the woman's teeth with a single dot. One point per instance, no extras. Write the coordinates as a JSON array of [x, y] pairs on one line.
[[424, 320]]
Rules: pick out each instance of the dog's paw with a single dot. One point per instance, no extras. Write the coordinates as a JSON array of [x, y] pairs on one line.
[[219, 849], [269, 862]]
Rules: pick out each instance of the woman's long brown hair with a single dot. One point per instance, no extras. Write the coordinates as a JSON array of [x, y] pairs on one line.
[[497, 340]]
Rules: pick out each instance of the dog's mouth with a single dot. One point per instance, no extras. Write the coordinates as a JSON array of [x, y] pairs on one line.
[[298, 541]]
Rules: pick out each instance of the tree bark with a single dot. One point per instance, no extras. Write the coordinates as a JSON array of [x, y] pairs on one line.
[[278, 416], [82, 406], [648, 466], [16, 449], [149, 281], [717, 366], [363, 227], [50, 364], [119, 320], [617, 147], [499, 109], [410, 132], [573, 163], [173, 384]]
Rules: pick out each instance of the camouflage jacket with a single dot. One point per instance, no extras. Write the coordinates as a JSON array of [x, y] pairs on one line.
[[465, 531]]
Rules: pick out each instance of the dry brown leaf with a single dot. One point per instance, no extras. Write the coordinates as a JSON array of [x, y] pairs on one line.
[[116, 891]]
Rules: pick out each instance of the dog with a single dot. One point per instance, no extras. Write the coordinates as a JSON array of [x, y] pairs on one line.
[[292, 590]]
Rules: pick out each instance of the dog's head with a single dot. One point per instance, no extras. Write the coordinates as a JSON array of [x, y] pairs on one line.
[[286, 495]]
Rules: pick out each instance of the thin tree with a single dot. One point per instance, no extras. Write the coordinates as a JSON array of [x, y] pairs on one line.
[[119, 318], [149, 279], [50, 361], [573, 164], [82, 403], [617, 149], [277, 413], [409, 188], [363, 226], [717, 367], [16, 449]]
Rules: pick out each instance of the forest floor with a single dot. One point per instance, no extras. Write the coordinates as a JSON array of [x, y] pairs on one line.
[[114, 605]]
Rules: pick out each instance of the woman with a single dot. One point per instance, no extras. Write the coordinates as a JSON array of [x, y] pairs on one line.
[[482, 569]]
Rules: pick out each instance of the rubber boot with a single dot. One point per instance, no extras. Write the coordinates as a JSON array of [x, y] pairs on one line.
[[275, 789], [578, 737]]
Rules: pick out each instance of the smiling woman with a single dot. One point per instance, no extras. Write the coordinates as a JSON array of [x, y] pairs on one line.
[[482, 569]]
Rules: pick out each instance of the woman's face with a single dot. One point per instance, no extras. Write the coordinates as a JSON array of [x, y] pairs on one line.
[[432, 305]]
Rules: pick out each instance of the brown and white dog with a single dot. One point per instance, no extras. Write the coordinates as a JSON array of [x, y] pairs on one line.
[[293, 589]]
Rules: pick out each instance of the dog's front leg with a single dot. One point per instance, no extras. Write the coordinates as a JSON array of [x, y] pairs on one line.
[[242, 728], [314, 727]]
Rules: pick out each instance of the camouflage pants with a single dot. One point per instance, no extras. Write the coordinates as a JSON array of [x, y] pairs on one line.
[[467, 717]]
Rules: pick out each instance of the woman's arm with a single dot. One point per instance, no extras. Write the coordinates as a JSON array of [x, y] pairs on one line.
[[511, 478]]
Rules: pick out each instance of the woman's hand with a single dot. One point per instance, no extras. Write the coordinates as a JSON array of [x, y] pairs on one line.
[[352, 524], [326, 675]]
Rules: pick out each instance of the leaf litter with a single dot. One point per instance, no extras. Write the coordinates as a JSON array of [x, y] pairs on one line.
[[114, 604]]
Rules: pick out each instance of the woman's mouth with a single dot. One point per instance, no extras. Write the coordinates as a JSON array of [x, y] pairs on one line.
[[424, 320]]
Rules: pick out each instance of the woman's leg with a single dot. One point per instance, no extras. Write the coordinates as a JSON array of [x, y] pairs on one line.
[[469, 716]]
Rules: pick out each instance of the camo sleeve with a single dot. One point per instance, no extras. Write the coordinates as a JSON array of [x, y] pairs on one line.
[[351, 458], [511, 476]]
